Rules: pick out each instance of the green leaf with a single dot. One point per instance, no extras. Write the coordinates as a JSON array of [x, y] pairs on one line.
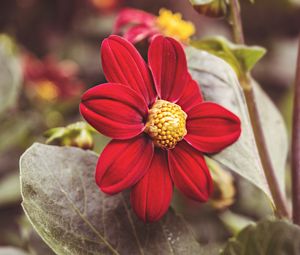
[[73, 217], [219, 84], [11, 251], [16, 129], [241, 58], [210, 8], [31, 240], [266, 238], [10, 190], [258, 208], [10, 73]]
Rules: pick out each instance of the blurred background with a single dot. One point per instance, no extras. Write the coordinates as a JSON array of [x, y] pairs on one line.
[[49, 54]]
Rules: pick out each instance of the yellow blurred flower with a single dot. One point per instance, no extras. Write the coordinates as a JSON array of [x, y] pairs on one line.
[[46, 90], [172, 24]]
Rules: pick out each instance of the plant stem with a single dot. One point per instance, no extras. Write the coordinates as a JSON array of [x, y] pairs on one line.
[[296, 146], [279, 199], [246, 82], [237, 27]]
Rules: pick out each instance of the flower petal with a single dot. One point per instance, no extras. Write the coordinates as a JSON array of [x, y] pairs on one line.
[[114, 110], [211, 128], [129, 16], [168, 65], [138, 33], [191, 96], [122, 63], [123, 163], [189, 172], [151, 196]]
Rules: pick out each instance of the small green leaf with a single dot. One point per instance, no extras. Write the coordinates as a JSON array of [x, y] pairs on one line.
[[269, 237], [241, 58], [210, 8], [69, 212]]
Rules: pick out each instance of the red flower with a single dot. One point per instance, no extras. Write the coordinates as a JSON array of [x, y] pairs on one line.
[[159, 123], [137, 25], [50, 79], [140, 24]]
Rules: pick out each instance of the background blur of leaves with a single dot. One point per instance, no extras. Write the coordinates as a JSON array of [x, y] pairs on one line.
[[72, 30]]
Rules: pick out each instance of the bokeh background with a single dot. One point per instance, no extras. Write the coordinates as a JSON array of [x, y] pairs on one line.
[[49, 54]]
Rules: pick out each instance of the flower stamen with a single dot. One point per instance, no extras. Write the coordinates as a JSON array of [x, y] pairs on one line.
[[166, 124]]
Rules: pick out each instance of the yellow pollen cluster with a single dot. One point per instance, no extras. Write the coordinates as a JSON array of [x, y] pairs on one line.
[[166, 124], [172, 25]]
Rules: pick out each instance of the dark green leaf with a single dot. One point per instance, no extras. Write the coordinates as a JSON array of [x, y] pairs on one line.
[[219, 84], [73, 217], [266, 238]]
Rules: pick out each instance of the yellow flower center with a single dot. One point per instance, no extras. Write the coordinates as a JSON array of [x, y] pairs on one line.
[[166, 124], [172, 25]]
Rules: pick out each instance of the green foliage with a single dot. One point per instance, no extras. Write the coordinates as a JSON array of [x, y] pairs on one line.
[[269, 237], [10, 73], [240, 57], [69, 212], [9, 190], [15, 129], [219, 84], [211, 8], [11, 251]]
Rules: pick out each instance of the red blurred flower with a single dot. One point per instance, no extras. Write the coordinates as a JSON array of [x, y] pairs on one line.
[[137, 25], [159, 123], [51, 80]]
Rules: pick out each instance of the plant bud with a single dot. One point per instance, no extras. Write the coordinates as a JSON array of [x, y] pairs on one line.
[[77, 135], [224, 190], [211, 8]]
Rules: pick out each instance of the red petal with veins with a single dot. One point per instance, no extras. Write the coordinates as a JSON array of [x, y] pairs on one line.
[[122, 63], [189, 172], [123, 163], [114, 110], [211, 128], [168, 65], [191, 96], [151, 196]]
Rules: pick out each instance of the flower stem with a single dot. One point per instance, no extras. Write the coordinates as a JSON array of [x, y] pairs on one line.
[[246, 82], [237, 27], [296, 146]]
